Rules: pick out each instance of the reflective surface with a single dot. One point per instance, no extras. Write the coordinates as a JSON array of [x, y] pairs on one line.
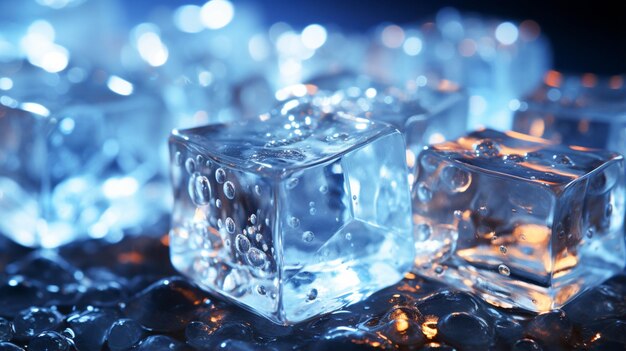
[[294, 214], [124, 295], [521, 221]]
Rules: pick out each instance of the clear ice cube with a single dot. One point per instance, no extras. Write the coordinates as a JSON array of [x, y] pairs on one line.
[[582, 110], [292, 214], [517, 219], [427, 114], [82, 157]]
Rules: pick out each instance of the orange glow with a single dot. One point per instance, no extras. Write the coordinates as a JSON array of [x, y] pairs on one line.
[[583, 126], [410, 158], [533, 233], [526, 137], [537, 127], [402, 325], [165, 240], [553, 79], [580, 148], [542, 302], [548, 169], [130, 257], [596, 337], [589, 80], [616, 82], [410, 276], [429, 327], [467, 47], [447, 85]]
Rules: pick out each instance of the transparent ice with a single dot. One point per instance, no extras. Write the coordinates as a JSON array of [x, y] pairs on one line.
[[81, 155], [582, 110], [427, 114], [293, 214], [517, 219]]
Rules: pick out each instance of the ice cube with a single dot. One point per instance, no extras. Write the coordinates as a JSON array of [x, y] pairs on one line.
[[577, 110], [294, 213], [517, 219], [427, 114], [85, 159]]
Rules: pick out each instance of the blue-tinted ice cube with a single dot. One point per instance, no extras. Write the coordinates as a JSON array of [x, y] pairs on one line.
[[425, 114], [83, 160], [292, 214], [519, 220], [577, 110]]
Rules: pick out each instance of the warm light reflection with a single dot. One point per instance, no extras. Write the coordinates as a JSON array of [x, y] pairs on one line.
[[429, 327], [583, 126], [553, 79], [537, 127], [589, 80], [616, 82]]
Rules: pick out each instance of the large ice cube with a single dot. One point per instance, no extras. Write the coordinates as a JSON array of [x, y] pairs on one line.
[[81, 157], [518, 219], [580, 110], [293, 214]]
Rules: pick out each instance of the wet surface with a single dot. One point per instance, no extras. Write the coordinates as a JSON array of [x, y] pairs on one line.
[[98, 296]]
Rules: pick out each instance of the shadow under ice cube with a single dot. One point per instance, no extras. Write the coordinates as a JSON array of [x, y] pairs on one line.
[[519, 220], [293, 214]]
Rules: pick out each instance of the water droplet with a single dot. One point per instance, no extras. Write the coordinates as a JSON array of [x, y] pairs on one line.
[[504, 270], [312, 211], [323, 189], [190, 165], [503, 249], [523, 237], [292, 183], [200, 160], [562, 160], [219, 223], [267, 222], [354, 197], [259, 237], [312, 204], [293, 222], [608, 210], [423, 232], [456, 179], [261, 290], [308, 236], [227, 243], [312, 295], [348, 236], [230, 225], [256, 257], [218, 203], [439, 270], [424, 193], [589, 232], [512, 158], [229, 190], [199, 189], [220, 175], [257, 190], [242, 244], [253, 218], [458, 214], [486, 148]]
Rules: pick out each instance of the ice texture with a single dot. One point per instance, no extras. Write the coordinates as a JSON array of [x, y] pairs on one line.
[[426, 114], [292, 214], [582, 110], [517, 219], [81, 157]]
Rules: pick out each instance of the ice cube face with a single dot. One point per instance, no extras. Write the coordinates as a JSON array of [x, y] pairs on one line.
[[80, 167], [427, 114], [293, 214], [577, 110], [517, 219]]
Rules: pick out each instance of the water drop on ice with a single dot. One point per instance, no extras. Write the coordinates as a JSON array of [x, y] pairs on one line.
[[486, 148], [308, 236], [242, 244], [256, 257], [423, 232], [348, 236], [503, 249], [312, 211], [199, 189], [261, 290], [424, 193], [312, 295], [253, 218], [293, 222], [219, 223], [178, 158], [504, 270], [230, 225], [220, 175], [218, 203], [257, 190], [292, 183], [456, 179], [229, 190], [323, 189], [190, 165]]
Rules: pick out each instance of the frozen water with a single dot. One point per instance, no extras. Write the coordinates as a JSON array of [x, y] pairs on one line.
[[577, 110], [80, 159], [264, 247], [520, 220], [424, 115]]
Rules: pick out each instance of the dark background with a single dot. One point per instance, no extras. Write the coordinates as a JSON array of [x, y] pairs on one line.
[[587, 36]]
